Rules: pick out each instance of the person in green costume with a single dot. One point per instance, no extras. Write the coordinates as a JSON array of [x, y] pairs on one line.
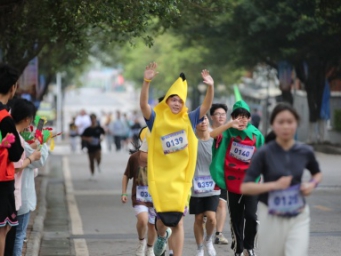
[[234, 145]]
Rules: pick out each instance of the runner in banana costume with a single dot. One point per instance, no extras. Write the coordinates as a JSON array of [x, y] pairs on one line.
[[172, 153]]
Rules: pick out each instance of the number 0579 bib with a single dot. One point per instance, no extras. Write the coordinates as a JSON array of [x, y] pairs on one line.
[[174, 142], [287, 202]]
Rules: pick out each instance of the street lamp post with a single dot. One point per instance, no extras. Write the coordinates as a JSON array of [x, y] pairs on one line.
[[201, 88], [59, 104]]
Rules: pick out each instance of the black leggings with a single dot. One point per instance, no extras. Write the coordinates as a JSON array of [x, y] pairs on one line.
[[242, 207]]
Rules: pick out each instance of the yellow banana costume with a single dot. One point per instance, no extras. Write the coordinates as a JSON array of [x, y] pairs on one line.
[[172, 155]]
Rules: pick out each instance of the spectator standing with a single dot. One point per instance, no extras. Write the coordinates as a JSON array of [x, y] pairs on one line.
[[82, 122]]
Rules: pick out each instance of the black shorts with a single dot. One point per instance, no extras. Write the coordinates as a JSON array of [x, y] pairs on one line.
[[223, 195], [8, 214], [199, 205]]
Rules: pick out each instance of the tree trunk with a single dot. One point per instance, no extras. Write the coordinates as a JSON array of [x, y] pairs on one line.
[[313, 77]]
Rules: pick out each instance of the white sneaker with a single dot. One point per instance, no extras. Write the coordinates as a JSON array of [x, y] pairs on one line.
[[210, 248], [150, 251], [220, 239], [200, 252], [249, 252], [140, 251]]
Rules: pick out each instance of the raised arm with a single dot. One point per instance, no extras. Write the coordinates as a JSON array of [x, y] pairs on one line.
[[149, 74], [233, 123], [208, 80]]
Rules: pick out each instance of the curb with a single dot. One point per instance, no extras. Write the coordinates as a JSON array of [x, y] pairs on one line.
[[34, 241], [327, 149]]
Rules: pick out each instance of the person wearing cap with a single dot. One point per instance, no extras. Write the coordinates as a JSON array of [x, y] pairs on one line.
[[172, 154], [141, 200], [234, 145]]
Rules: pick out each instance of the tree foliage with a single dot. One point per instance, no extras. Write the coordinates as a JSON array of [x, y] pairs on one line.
[[28, 26], [305, 33]]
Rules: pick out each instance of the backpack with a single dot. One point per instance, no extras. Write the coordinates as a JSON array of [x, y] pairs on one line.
[[7, 170]]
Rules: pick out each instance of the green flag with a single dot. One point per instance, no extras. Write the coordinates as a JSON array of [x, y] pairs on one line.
[[237, 94]]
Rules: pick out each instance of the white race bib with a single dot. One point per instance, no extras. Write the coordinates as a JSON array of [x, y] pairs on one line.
[[142, 194], [174, 142], [203, 184], [94, 141], [242, 152], [287, 202]]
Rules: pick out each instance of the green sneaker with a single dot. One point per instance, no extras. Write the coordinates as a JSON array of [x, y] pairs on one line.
[[161, 243]]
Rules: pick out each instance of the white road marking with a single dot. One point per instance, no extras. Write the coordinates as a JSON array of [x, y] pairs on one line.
[[323, 208], [106, 192], [81, 248]]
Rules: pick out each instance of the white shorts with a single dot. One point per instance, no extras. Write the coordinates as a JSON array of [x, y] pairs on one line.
[[151, 212]]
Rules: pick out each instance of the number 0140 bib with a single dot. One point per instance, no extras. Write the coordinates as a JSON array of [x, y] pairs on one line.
[[174, 142], [142, 194], [242, 152], [287, 202]]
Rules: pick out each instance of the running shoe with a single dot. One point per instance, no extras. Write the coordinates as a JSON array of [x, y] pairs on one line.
[[249, 252], [200, 252], [140, 251], [220, 239], [150, 251], [161, 243], [210, 248], [239, 254]]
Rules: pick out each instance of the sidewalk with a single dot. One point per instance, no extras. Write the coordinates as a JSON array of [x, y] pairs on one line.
[[48, 232]]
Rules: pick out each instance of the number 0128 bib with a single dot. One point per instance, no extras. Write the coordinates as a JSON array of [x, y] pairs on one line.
[[174, 142], [242, 152], [288, 202]]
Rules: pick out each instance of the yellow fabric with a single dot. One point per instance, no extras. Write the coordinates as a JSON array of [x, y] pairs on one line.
[[143, 133], [170, 175]]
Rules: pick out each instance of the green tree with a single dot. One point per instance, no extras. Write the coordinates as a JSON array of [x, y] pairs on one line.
[[304, 33], [28, 26]]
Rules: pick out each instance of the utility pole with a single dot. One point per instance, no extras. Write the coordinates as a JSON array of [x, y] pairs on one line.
[[59, 105]]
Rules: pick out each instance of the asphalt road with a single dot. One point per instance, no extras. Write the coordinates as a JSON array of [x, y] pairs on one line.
[[102, 225]]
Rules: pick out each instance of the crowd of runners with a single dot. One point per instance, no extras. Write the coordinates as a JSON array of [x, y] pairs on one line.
[[184, 165]]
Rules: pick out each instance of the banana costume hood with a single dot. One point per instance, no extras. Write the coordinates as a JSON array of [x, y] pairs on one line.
[[171, 156]]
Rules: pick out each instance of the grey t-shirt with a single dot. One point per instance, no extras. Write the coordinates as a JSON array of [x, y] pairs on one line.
[[203, 184], [273, 162]]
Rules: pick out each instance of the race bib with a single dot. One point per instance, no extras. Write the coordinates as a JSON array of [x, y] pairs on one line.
[[94, 141], [287, 202], [142, 194], [174, 142], [203, 184], [242, 152]]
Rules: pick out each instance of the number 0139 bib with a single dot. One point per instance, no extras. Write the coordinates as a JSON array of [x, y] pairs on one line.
[[287, 202], [174, 142]]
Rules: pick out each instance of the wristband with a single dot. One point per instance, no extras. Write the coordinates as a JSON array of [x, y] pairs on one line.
[[124, 195], [314, 181], [29, 159], [147, 80]]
